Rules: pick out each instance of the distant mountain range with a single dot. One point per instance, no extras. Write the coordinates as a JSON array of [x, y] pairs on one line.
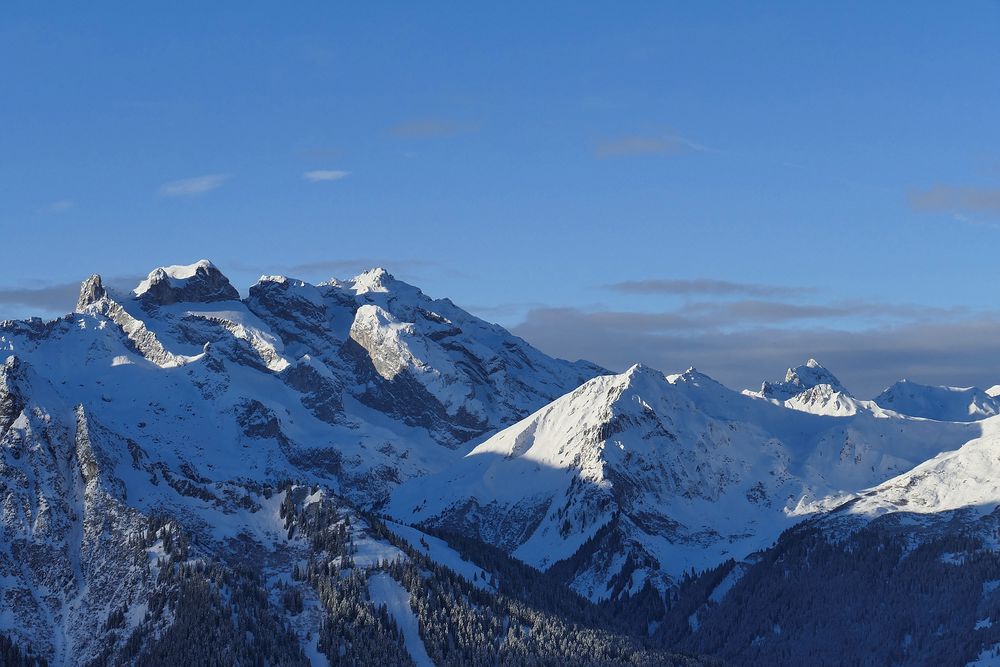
[[299, 461]]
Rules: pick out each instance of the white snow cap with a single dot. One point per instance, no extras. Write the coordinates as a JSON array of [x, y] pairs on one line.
[[182, 271], [373, 280], [201, 281], [811, 374], [176, 272]]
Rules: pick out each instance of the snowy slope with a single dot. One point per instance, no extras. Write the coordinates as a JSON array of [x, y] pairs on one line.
[[904, 572], [638, 476], [385, 590], [438, 550], [940, 403], [178, 398], [966, 478]]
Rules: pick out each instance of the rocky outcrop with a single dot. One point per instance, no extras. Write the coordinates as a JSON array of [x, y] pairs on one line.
[[201, 282], [91, 291], [11, 400]]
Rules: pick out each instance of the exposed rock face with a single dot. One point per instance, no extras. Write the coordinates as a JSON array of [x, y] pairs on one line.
[[321, 393], [200, 283], [91, 291], [140, 337], [422, 361], [11, 399], [296, 309]]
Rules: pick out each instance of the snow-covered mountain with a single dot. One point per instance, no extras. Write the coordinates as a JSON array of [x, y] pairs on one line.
[[366, 381], [181, 400], [179, 454], [940, 403], [641, 476], [812, 388]]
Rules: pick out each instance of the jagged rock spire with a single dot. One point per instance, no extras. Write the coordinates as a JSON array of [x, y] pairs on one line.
[[91, 291]]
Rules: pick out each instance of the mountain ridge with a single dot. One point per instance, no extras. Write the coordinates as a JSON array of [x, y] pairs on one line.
[[157, 441], [180, 399], [690, 472]]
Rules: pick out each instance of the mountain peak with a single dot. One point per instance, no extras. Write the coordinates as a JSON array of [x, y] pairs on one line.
[[199, 282], [692, 376], [640, 369], [375, 279], [91, 291], [642, 373], [801, 378], [811, 388], [811, 374]]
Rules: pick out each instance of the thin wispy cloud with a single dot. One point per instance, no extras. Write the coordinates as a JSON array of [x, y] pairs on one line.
[[701, 287], [648, 145], [325, 175], [60, 206], [195, 186], [975, 221], [430, 128], [952, 199]]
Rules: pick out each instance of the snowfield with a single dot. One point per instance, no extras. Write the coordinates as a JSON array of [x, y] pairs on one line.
[[386, 590]]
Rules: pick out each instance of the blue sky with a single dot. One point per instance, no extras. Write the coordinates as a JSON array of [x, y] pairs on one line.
[[769, 180]]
